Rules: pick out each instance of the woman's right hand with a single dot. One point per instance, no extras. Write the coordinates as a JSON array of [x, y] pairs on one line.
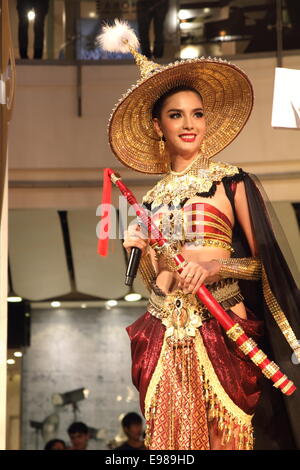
[[135, 237]]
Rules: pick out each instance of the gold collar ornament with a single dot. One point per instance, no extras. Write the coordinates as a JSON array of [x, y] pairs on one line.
[[227, 99], [177, 186]]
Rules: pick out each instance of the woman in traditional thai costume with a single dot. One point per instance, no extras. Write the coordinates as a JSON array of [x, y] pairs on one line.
[[197, 388]]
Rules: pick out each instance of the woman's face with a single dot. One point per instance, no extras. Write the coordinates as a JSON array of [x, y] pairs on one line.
[[182, 123]]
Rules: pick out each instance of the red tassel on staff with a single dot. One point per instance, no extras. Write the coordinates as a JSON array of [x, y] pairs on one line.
[[105, 214]]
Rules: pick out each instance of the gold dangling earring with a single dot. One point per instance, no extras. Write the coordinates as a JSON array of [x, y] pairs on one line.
[[164, 154], [203, 160], [161, 145]]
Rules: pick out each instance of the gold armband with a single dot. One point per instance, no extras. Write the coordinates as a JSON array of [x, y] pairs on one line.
[[240, 268], [167, 253], [147, 271]]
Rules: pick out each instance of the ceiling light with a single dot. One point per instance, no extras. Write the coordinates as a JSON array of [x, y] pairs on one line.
[[31, 15], [11, 361], [14, 298], [133, 297], [18, 354], [189, 52], [112, 303], [184, 14], [185, 26], [55, 303]]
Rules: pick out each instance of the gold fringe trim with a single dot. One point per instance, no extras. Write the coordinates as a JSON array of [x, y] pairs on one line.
[[279, 315], [231, 420], [155, 379]]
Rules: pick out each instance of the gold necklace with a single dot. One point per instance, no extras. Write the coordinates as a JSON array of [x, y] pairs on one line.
[[197, 160]]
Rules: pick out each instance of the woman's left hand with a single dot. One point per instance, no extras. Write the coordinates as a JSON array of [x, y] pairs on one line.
[[195, 274]]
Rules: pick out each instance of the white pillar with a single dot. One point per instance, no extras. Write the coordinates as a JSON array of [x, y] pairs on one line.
[[171, 30], [3, 312]]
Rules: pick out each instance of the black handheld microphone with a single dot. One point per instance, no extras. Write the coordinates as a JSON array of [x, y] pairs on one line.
[[133, 264]]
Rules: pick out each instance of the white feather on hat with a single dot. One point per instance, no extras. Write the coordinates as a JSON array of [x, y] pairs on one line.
[[118, 37]]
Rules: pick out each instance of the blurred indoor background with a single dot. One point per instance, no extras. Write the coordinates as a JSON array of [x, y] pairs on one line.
[[67, 329]]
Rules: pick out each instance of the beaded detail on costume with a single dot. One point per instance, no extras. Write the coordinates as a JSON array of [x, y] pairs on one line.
[[241, 268], [279, 315], [174, 188]]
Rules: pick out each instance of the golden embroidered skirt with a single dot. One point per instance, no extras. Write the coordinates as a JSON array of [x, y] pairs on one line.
[[190, 375]]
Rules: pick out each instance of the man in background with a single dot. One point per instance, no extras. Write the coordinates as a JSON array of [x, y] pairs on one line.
[[132, 425], [148, 10], [79, 436]]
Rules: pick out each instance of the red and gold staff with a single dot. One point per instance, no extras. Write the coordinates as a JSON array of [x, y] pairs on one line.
[[233, 330]]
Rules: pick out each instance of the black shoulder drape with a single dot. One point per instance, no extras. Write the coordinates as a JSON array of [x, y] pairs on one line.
[[277, 419]]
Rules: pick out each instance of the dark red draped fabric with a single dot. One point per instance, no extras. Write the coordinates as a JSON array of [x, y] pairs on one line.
[[237, 374], [146, 336]]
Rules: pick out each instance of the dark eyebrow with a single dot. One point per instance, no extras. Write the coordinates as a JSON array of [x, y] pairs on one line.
[[196, 109]]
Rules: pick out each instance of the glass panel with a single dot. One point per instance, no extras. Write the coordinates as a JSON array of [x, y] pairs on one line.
[[220, 28], [67, 29], [291, 24]]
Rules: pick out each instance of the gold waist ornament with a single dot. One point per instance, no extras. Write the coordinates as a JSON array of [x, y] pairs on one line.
[[183, 313]]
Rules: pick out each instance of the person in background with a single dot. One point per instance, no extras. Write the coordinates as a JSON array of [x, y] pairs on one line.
[[40, 8], [133, 428], [55, 444], [79, 436], [148, 10]]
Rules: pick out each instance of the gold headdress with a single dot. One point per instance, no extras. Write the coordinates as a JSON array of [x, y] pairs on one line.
[[226, 91]]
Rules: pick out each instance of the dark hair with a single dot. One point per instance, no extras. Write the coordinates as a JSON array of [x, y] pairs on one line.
[[78, 427], [131, 418], [50, 444], [157, 107]]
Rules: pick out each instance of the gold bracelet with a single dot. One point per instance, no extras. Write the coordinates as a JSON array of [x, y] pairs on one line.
[[167, 252]]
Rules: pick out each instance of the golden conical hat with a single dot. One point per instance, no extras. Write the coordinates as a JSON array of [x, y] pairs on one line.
[[227, 100]]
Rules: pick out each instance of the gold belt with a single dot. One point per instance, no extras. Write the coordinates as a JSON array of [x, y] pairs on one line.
[[182, 313]]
